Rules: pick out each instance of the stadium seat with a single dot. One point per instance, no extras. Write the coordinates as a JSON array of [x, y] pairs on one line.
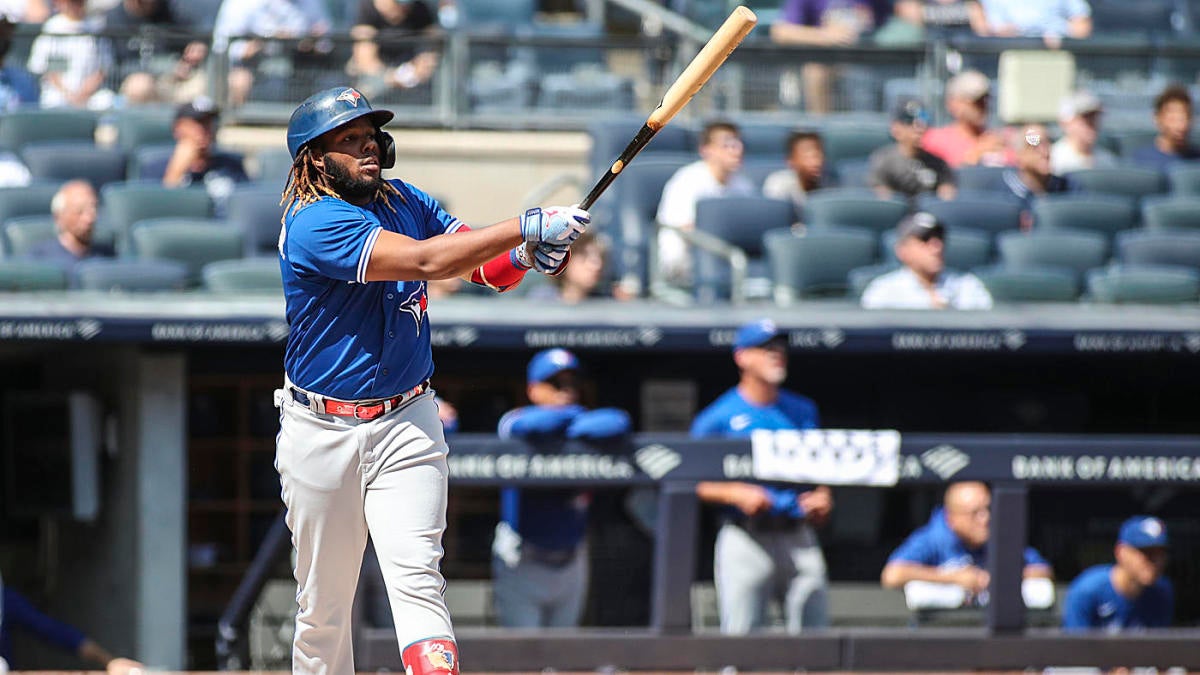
[[1171, 213], [1184, 179], [143, 126], [1143, 285], [758, 168], [492, 88], [980, 179], [985, 213], [610, 135], [1076, 251], [273, 166], [590, 90], [739, 222], [853, 173], [818, 262], [853, 140], [1096, 213], [1028, 284], [31, 275], [1122, 181], [124, 275], [1121, 16], [254, 209], [765, 139], [1130, 140], [194, 242], [859, 278], [21, 234], [638, 194], [964, 248], [248, 275], [850, 207], [68, 160], [30, 200], [21, 127], [1159, 248], [127, 203], [149, 163], [476, 15]]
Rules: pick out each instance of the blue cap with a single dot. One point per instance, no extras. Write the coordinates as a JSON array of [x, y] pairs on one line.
[[755, 334], [1143, 532], [550, 362]]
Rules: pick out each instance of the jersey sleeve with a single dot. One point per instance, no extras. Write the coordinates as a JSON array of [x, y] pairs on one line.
[[600, 424], [537, 421], [20, 613], [917, 550], [1164, 606], [435, 219], [1033, 558], [333, 239], [706, 424], [1077, 607]]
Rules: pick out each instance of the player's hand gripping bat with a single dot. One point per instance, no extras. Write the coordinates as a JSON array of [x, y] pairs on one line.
[[714, 53]]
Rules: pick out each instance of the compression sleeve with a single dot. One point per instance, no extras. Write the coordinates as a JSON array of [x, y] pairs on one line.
[[501, 273]]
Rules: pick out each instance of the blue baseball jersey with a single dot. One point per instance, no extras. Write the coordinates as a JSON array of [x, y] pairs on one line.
[[1092, 602], [553, 518], [351, 339], [732, 416], [16, 612], [935, 545]]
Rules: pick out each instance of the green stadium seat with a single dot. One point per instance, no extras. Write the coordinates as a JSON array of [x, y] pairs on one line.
[[818, 262], [139, 127], [127, 203], [21, 127], [980, 179], [31, 275], [68, 160], [1095, 213], [195, 242], [859, 278], [851, 207], [964, 248], [986, 213], [23, 233], [254, 208], [1172, 213], [1028, 284], [1071, 250], [1184, 179], [853, 139], [1121, 181], [30, 200], [127, 276], [1147, 248], [1144, 285], [273, 166], [738, 221], [248, 275]]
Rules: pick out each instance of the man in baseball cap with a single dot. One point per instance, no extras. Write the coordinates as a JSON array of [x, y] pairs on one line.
[[924, 282], [966, 141], [905, 168], [771, 525], [196, 160], [1131, 594], [539, 558], [1079, 116]]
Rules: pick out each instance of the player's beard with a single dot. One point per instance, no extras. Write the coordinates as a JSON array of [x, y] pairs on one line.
[[350, 188]]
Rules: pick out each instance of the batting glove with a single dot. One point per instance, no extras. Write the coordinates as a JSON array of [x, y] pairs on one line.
[[554, 225], [551, 260]]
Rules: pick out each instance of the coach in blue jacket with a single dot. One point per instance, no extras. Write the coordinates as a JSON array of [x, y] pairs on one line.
[[1133, 593], [539, 554]]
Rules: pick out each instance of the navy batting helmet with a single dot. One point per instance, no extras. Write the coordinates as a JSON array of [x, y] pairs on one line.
[[329, 109]]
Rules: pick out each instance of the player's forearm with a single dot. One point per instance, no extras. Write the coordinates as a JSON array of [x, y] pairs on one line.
[[92, 652], [1037, 572], [396, 257], [895, 575], [715, 492]]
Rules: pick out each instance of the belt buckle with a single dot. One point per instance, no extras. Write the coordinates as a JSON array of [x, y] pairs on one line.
[[364, 406]]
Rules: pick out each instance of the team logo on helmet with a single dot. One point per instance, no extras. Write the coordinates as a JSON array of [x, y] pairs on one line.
[[350, 96], [439, 658], [415, 304]]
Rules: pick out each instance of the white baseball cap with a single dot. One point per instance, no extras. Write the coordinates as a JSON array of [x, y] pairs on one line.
[[1082, 102]]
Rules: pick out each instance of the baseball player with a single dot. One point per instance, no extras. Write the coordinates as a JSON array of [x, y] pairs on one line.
[[539, 556], [361, 448], [1130, 595], [766, 546]]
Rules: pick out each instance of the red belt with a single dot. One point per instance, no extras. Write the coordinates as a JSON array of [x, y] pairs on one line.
[[368, 410]]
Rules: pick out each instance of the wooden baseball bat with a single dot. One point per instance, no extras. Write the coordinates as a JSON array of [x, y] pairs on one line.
[[715, 51]]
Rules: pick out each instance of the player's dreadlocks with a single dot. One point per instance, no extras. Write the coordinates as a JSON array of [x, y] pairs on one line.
[[307, 183]]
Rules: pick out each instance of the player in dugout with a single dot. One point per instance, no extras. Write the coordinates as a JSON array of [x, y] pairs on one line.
[[1131, 594], [361, 449]]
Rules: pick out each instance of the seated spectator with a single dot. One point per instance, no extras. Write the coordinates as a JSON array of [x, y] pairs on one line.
[[17, 86], [142, 29], [823, 23], [923, 282], [71, 60], [1048, 19], [74, 209], [378, 63], [805, 169], [905, 168], [1079, 116], [715, 174], [539, 554], [196, 158], [1032, 177], [967, 141], [1173, 119], [1131, 594], [19, 613], [303, 20], [952, 547], [25, 11], [942, 15], [583, 277]]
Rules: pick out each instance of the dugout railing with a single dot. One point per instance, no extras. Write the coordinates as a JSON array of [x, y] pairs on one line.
[[1012, 464]]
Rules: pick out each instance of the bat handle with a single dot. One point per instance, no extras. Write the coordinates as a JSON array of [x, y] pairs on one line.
[[597, 190]]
